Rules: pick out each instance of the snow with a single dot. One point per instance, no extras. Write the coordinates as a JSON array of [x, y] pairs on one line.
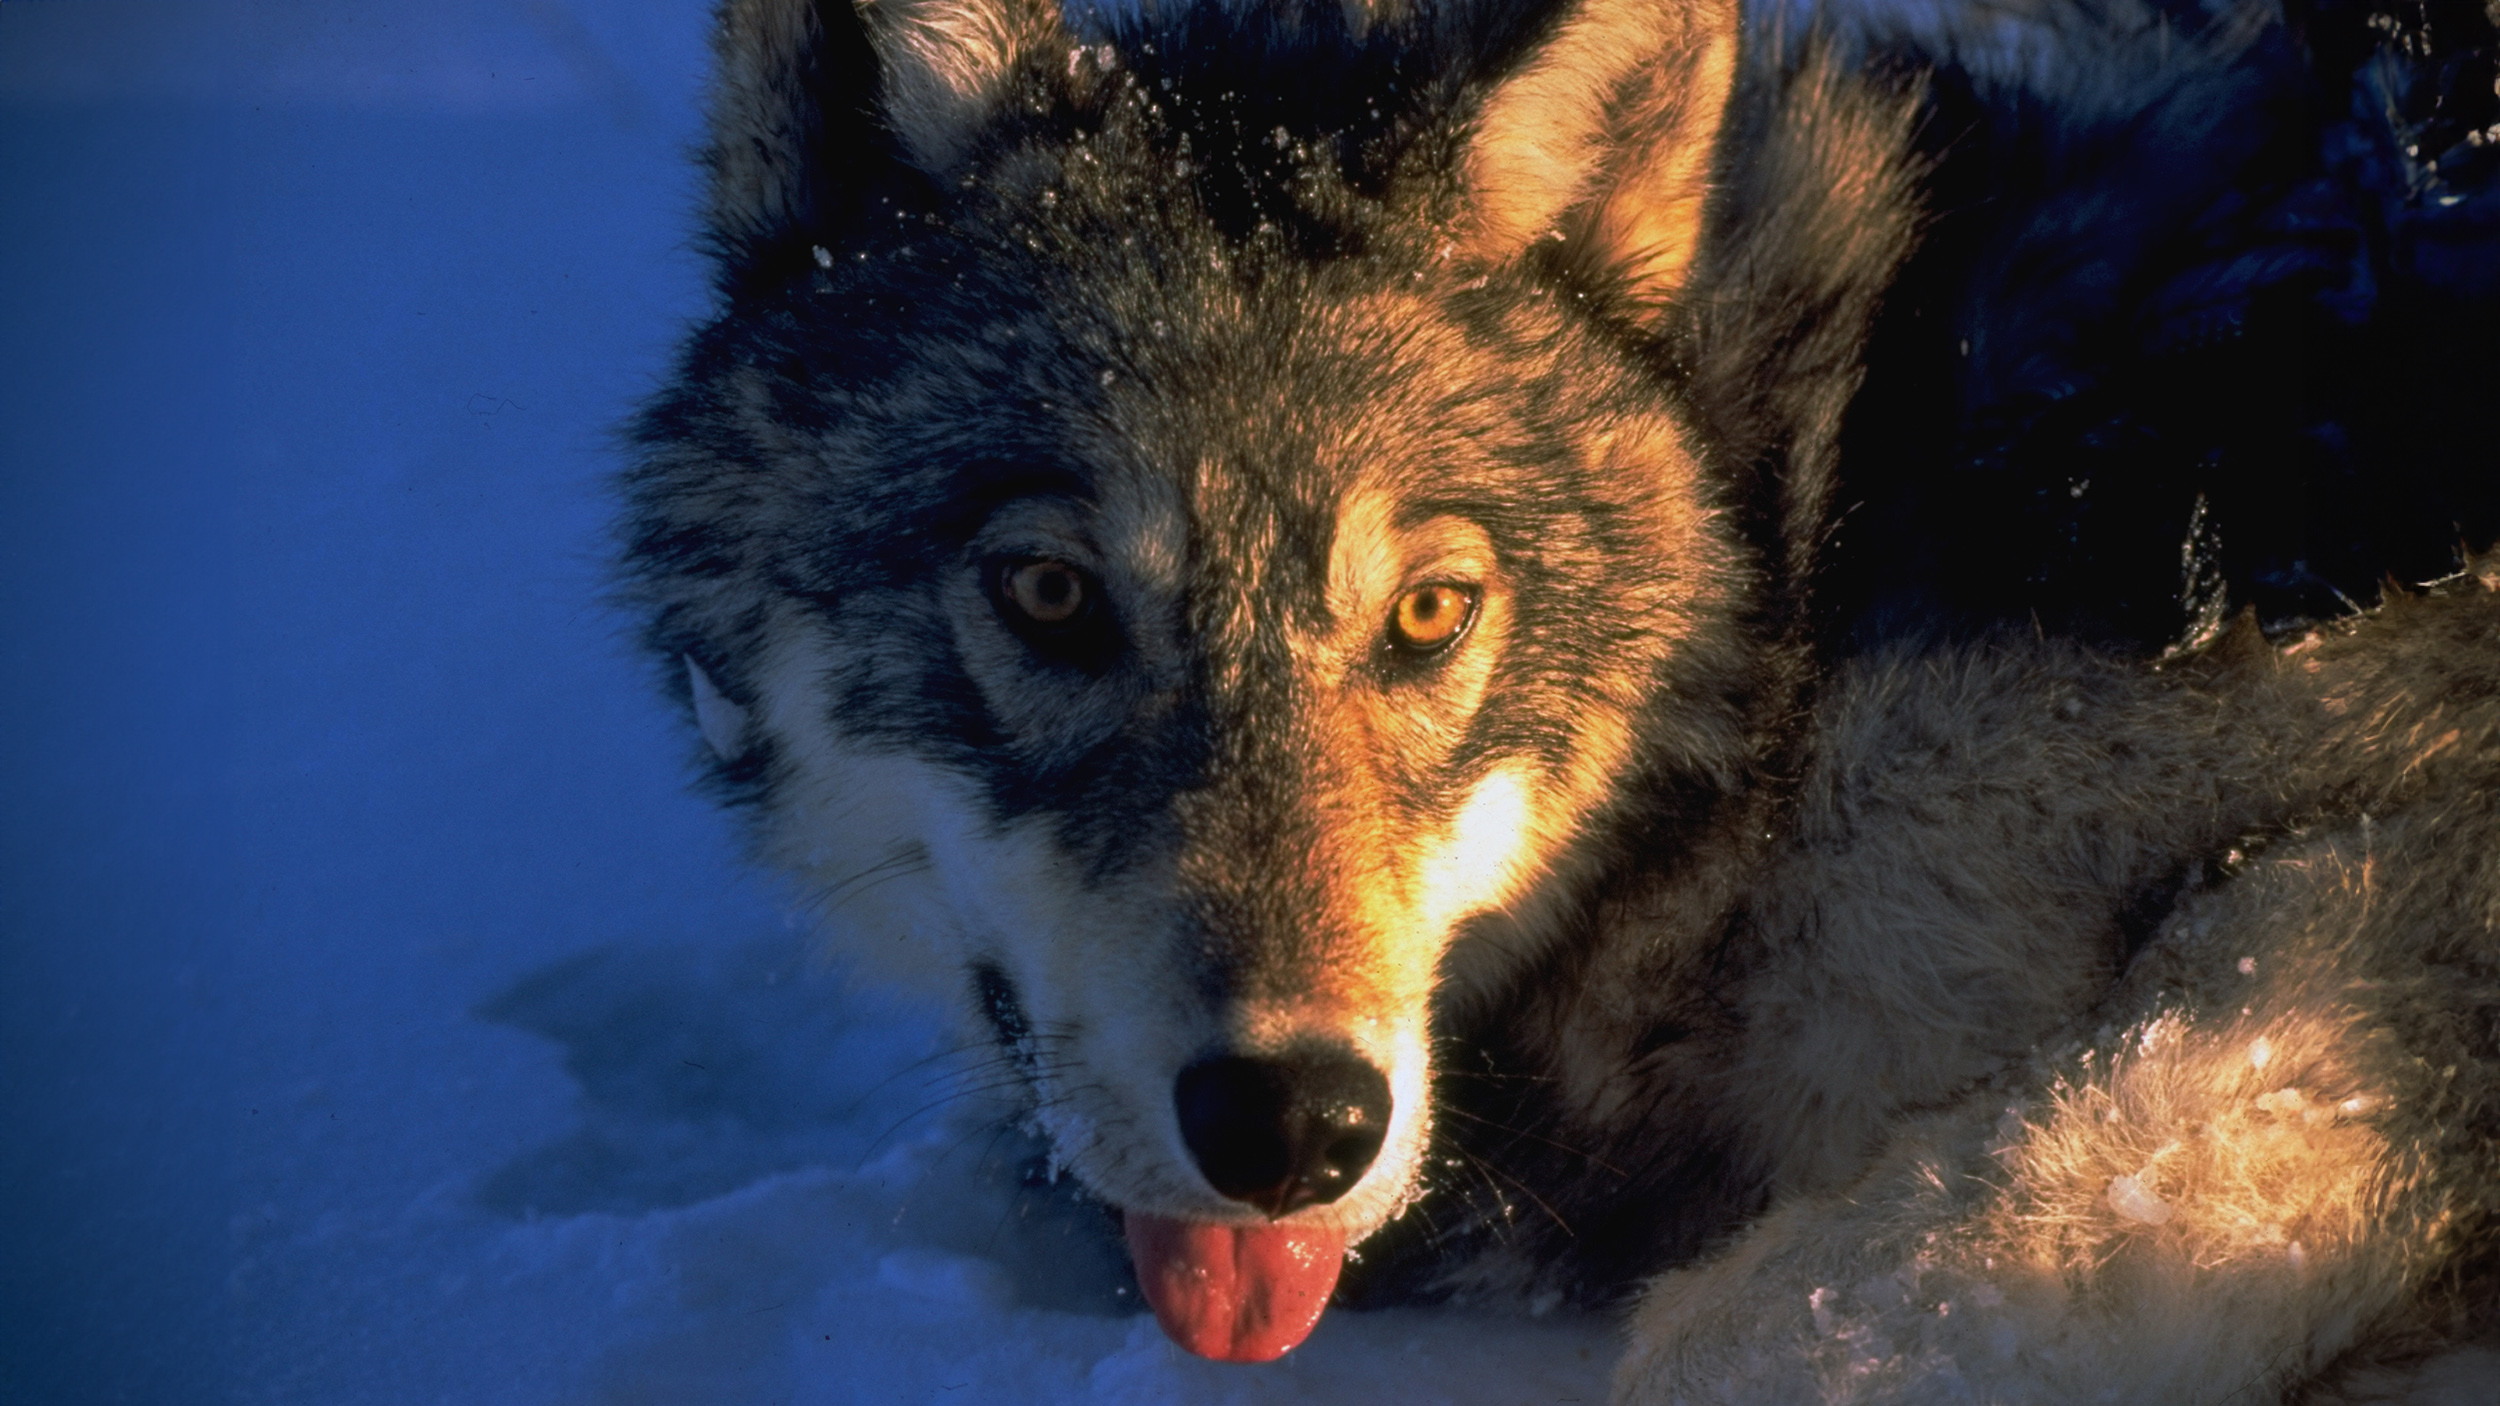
[[2132, 1199], [385, 1019]]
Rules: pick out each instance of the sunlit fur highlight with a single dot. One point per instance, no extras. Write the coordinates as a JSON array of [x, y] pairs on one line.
[[1610, 129], [948, 63], [2256, 1167]]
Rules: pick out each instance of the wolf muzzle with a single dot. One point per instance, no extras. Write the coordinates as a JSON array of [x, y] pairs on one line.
[[1278, 1133]]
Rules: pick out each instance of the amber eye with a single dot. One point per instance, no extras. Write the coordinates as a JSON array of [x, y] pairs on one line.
[[1043, 592], [1431, 617]]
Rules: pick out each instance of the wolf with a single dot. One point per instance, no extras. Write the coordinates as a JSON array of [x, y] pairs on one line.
[[1281, 559]]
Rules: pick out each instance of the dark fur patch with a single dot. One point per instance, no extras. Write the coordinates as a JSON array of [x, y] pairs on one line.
[[2231, 311]]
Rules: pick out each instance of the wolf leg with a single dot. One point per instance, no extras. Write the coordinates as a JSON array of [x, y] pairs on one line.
[[2273, 1156]]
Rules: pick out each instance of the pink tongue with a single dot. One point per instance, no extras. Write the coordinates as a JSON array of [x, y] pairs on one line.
[[1235, 1293]]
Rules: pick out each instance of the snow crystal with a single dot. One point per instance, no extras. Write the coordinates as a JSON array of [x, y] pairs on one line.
[[2006, 1138], [2135, 1201], [2158, 1032]]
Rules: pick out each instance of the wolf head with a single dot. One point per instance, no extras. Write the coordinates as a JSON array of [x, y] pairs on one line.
[[1192, 532]]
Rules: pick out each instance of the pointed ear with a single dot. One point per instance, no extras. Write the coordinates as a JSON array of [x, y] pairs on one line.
[[1602, 143], [794, 134], [948, 64], [813, 101]]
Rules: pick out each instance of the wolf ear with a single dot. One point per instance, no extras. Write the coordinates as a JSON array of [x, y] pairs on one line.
[[814, 100], [1602, 144], [947, 66], [794, 134]]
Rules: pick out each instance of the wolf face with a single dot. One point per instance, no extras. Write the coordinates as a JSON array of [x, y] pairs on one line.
[[1184, 563], [1260, 551]]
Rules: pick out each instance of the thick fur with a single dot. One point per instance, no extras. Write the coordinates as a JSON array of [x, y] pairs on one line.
[[2265, 1152], [1957, 1011]]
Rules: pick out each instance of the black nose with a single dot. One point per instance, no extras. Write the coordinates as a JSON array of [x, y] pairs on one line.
[[1283, 1133]]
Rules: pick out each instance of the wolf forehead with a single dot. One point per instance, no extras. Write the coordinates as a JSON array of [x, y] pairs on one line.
[[1055, 335], [1211, 427], [1220, 429], [1244, 474]]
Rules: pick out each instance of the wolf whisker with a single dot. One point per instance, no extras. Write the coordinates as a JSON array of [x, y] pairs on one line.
[[1581, 1153], [902, 861], [1522, 1188]]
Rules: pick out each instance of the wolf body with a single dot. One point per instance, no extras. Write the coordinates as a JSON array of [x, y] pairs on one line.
[[1284, 561]]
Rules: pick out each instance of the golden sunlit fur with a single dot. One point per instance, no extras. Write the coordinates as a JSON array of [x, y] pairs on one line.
[[1604, 142], [2263, 1162], [948, 64]]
